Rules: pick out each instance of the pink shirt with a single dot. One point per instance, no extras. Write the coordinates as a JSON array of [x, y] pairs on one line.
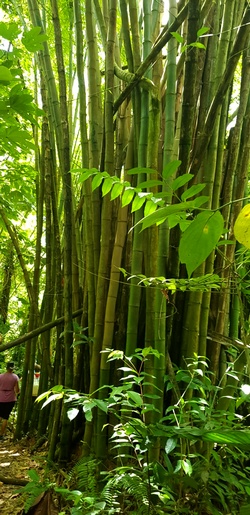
[[8, 382]]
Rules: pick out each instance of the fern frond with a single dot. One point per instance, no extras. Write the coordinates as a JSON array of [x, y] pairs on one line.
[[127, 488], [84, 474]]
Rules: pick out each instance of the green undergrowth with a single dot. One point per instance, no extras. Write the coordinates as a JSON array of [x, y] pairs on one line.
[[193, 460]]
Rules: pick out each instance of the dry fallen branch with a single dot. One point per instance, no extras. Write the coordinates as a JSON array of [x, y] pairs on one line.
[[13, 481]]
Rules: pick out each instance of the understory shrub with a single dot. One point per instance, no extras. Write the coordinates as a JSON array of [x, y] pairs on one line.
[[202, 467]]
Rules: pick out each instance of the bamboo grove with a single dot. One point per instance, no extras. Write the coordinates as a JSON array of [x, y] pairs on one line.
[[134, 89]]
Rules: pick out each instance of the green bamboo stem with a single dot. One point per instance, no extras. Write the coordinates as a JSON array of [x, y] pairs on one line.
[[104, 262]]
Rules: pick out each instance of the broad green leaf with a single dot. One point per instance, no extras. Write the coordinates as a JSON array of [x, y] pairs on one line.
[[177, 36], [33, 39], [116, 190], [72, 413], [163, 212], [150, 350], [171, 168], [137, 203], [150, 207], [22, 103], [245, 388], [202, 31], [43, 395], [116, 354], [199, 201], [88, 415], [9, 31], [97, 180], [150, 183], [187, 467], [54, 397], [57, 388], [3, 107], [135, 397], [175, 219], [5, 74], [181, 181], [170, 445], [127, 196], [184, 224], [193, 190], [86, 175], [197, 44], [102, 405], [242, 227], [126, 369], [107, 185], [200, 238], [140, 169], [178, 466], [236, 437]]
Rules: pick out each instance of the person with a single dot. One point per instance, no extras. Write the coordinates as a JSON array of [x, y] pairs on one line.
[[36, 380], [9, 389]]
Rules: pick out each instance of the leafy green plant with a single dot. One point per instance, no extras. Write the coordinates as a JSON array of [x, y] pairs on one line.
[[203, 449], [200, 233], [34, 488]]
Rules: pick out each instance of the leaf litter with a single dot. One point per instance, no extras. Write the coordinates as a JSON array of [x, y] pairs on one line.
[[16, 460]]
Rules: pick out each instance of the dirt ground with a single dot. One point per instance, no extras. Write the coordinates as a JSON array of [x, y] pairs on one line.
[[16, 459]]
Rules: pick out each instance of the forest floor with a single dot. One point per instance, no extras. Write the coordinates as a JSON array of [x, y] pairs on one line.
[[16, 459]]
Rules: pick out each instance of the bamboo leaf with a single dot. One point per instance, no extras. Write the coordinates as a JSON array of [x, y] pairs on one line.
[[200, 238]]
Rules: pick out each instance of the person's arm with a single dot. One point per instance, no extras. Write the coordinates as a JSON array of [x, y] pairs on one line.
[[17, 389]]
